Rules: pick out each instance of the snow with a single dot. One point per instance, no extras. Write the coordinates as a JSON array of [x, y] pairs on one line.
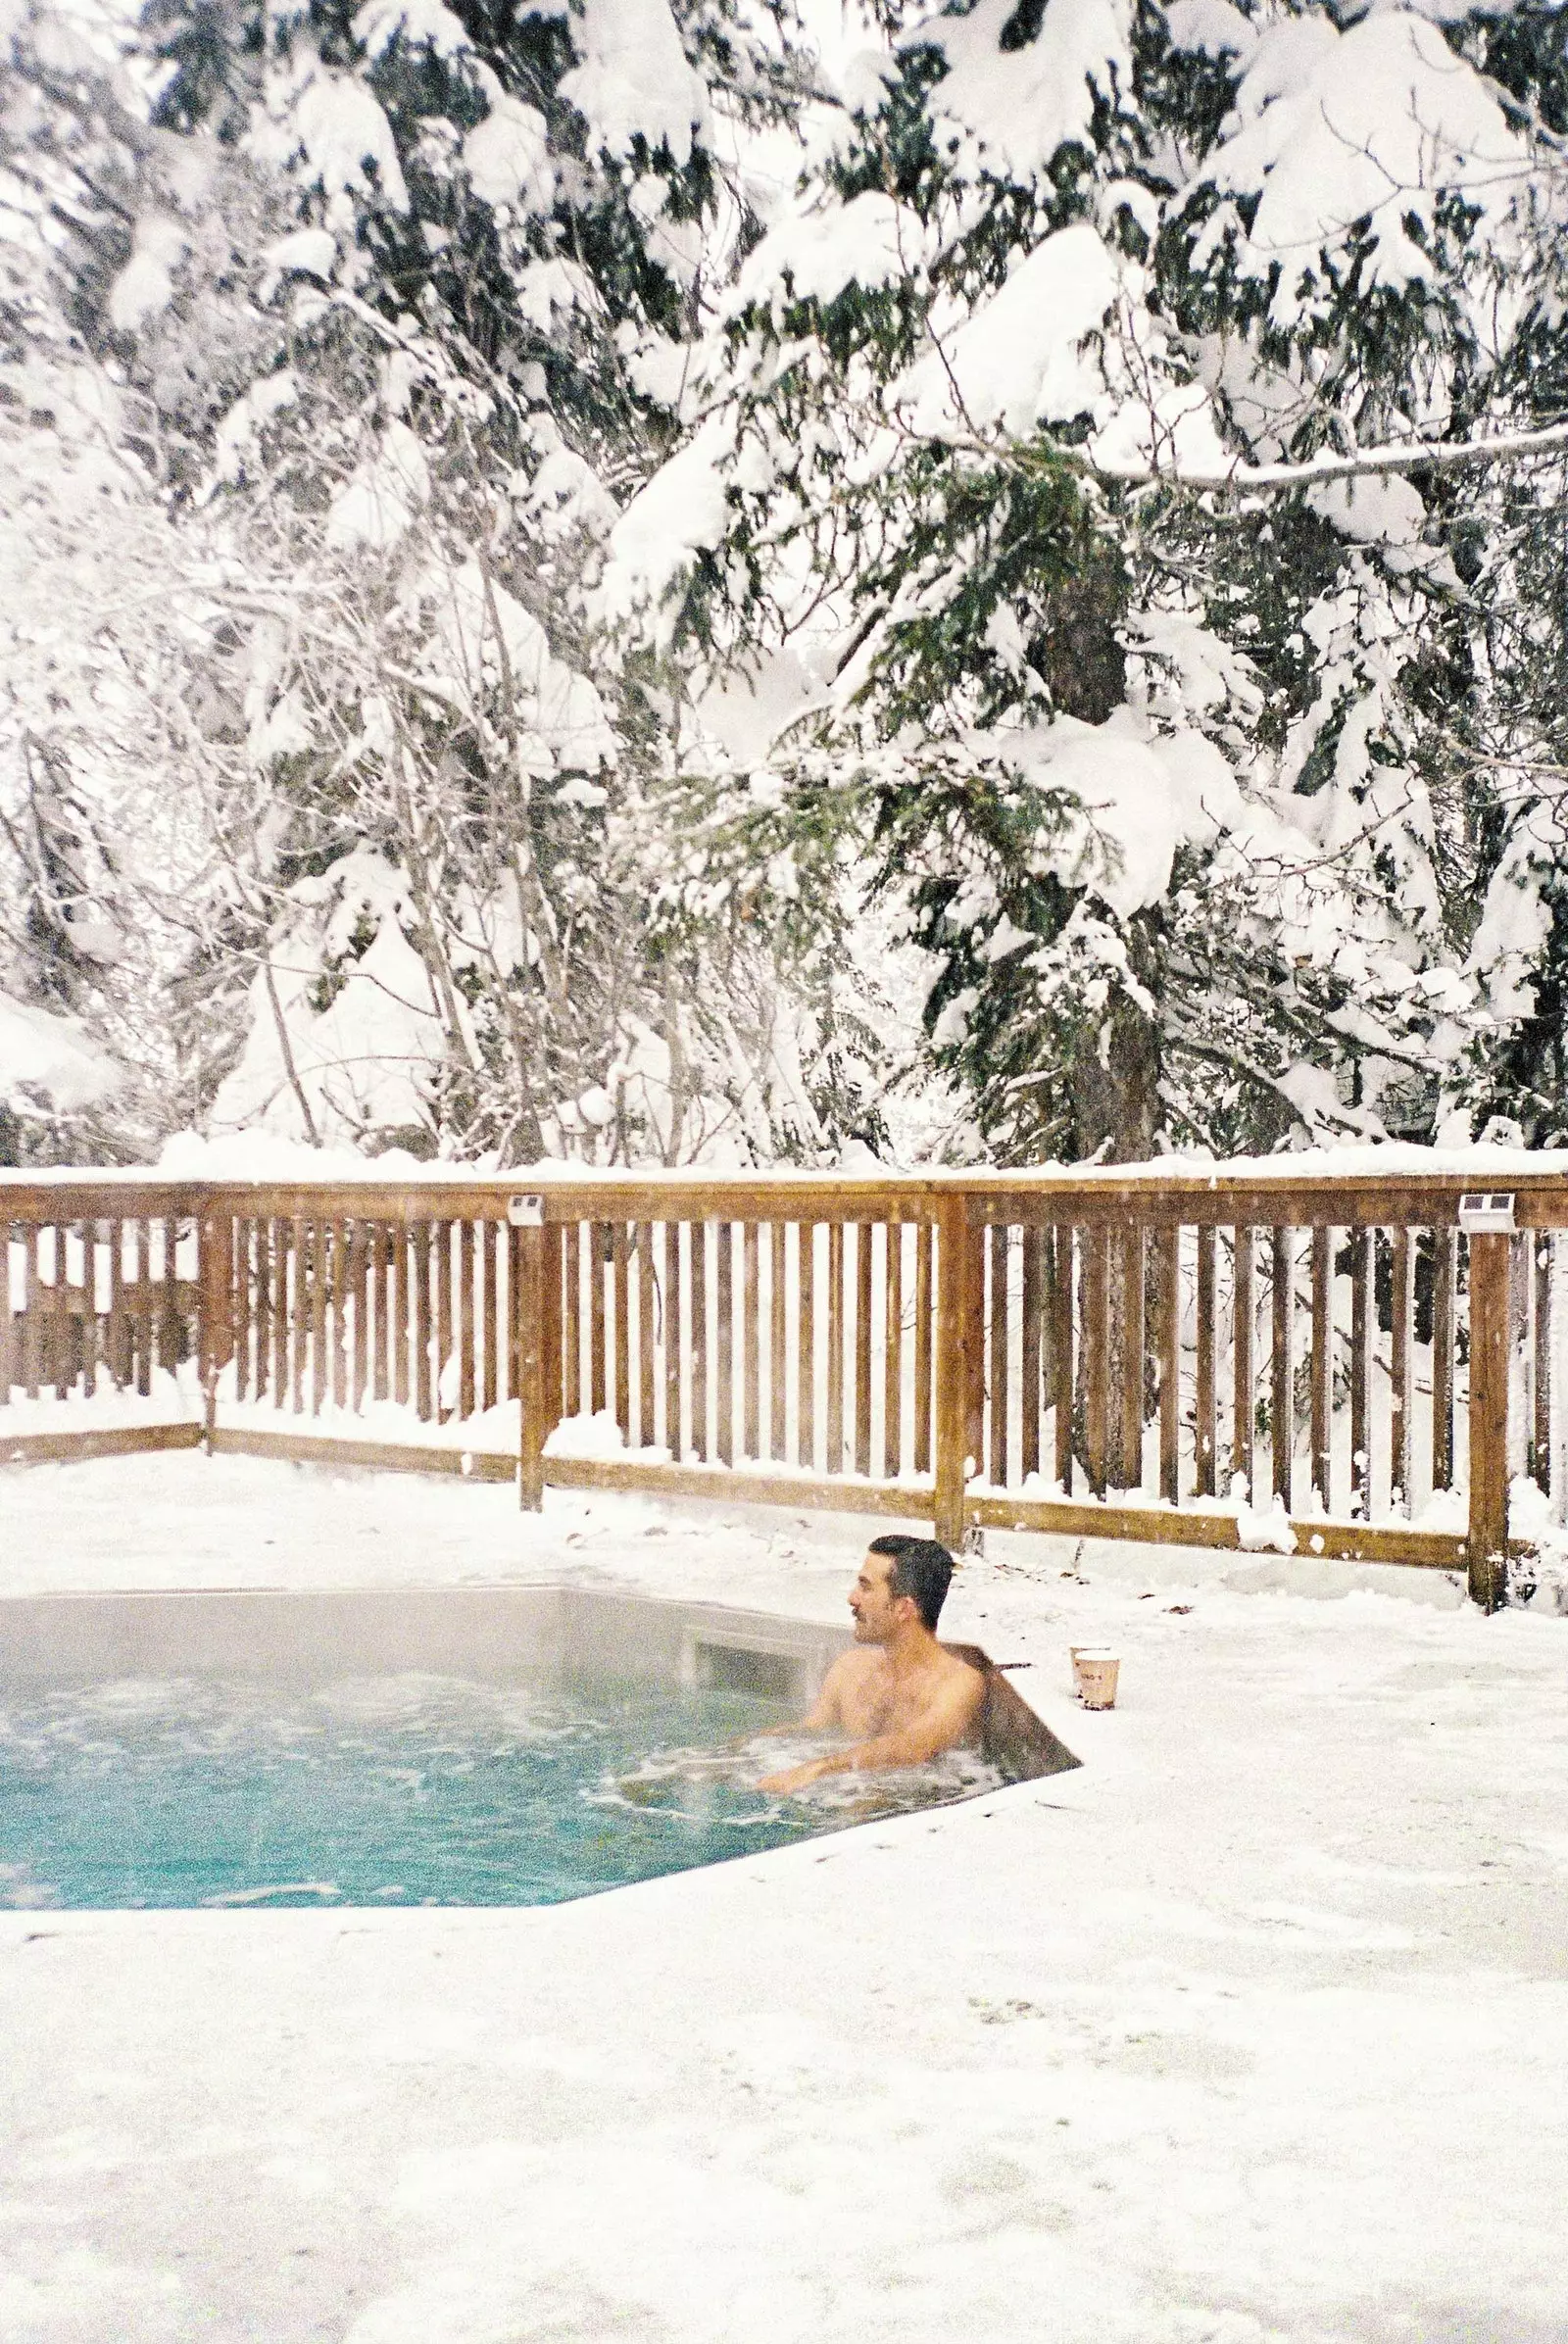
[[1203, 2044], [41, 1050], [1019, 359], [507, 157], [1210, 28], [1373, 123], [634, 81], [341, 130], [146, 283], [680, 513], [380, 22], [378, 504], [477, 620], [871, 240], [1008, 109]]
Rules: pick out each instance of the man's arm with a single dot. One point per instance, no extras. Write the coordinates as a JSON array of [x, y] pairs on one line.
[[945, 1721]]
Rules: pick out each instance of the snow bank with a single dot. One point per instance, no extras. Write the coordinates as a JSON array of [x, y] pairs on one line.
[[1203, 2044]]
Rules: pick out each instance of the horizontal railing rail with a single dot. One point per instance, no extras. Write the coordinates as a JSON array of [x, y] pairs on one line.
[[1327, 1364]]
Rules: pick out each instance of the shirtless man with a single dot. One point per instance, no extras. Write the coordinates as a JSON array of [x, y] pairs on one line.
[[898, 1695]]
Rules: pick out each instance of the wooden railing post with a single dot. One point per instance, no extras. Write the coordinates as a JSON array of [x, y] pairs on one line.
[[951, 1370], [1489, 1257], [530, 1310]]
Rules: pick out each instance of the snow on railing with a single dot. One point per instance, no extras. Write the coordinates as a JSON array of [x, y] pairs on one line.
[[1346, 1364]]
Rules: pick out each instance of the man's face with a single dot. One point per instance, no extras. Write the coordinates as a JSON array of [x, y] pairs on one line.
[[875, 1607]]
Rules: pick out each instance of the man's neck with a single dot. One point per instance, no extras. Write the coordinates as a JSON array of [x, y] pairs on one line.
[[912, 1650]]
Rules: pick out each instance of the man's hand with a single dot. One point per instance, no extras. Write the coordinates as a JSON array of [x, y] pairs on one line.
[[797, 1777]]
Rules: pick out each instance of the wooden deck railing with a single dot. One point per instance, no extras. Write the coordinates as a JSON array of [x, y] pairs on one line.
[[1325, 1365]]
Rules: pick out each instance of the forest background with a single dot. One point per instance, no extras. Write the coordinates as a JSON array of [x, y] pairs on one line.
[[653, 581]]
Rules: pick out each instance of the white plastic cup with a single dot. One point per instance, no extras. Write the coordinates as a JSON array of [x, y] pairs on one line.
[[1095, 1673]]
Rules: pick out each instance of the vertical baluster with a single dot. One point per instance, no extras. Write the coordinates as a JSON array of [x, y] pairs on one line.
[[463, 1333], [1168, 1271], [400, 1310], [1243, 1375], [669, 1255], [552, 1323], [1205, 1427], [489, 1395], [1282, 1387], [700, 1352], [1360, 1372], [83, 1302], [71, 1330], [359, 1285], [402, 1307], [1029, 1452], [425, 1366], [1062, 1364], [974, 1359], [750, 1342], [381, 1333], [1097, 1355], [571, 1335], [320, 1280], [998, 1249], [862, 1347], [278, 1231], [598, 1381], [835, 1346], [141, 1283], [724, 1343], [1541, 1244], [779, 1394], [118, 1338], [1323, 1366], [1136, 1345], [1401, 1393], [646, 1434], [924, 1331], [31, 1346], [620, 1275], [948, 1503], [299, 1310], [806, 1402], [342, 1287], [265, 1230], [892, 1358], [282, 1305]]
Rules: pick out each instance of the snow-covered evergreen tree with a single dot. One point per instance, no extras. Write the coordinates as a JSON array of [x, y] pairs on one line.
[[1046, 452]]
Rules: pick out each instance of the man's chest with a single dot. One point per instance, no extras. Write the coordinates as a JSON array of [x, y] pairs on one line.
[[869, 1703]]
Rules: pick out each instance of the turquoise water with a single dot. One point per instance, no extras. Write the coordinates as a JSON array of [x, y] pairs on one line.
[[395, 1790]]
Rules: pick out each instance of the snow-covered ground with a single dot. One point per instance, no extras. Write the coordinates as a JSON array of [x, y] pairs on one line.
[[1256, 2028]]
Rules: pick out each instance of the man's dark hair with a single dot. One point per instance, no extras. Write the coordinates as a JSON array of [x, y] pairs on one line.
[[921, 1568]]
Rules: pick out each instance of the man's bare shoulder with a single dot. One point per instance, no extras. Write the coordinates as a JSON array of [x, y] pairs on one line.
[[853, 1667], [959, 1683]]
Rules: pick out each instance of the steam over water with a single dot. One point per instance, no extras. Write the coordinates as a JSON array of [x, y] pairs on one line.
[[397, 1790]]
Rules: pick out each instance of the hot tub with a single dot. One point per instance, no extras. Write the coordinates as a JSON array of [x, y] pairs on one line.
[[498, 1745]]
